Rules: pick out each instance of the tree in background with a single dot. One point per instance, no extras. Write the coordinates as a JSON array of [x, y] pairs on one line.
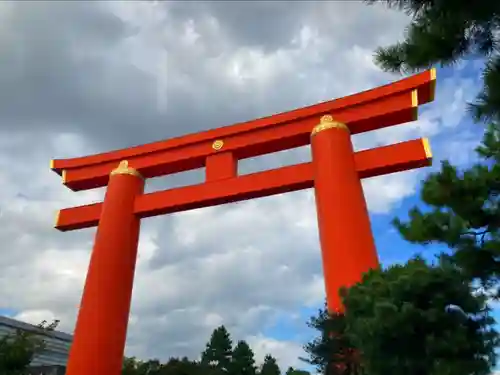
[[184, 366], [174, 366], [292, 371], [132, 366], [463, 207], [243, 361], [217, 359], [270, 366], [400, 321], [218, 352], [18, 349], [332, 352]]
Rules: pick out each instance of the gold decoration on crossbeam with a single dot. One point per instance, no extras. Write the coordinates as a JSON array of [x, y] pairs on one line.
[[218, 144]]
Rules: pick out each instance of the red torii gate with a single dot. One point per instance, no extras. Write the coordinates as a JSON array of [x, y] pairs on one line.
[[347, 244]]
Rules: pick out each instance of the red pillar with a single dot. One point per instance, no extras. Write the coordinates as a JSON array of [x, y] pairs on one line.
[[347, 244], [101, 328]]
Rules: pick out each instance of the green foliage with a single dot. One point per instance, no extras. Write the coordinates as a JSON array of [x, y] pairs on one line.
[[398, 320], [292, 371], [18, 349], [243, 361], [132, 366], [489, 149], [332, 352], [487, 102], [464, 215], [218, 358], [218, 350], [185, 366], [445, 31], [270, 366], [174, 366]]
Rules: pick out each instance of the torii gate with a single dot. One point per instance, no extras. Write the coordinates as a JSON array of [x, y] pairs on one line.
[[347, 244]]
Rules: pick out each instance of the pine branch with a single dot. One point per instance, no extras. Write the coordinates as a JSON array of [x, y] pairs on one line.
[[487, 104]]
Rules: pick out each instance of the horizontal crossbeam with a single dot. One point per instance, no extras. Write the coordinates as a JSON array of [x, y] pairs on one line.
[[384, 106], [369, 163]]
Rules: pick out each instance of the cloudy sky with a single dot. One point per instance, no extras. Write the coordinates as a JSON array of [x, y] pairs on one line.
[[81, 78]]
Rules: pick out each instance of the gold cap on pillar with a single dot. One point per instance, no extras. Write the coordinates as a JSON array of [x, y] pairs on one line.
[[123, 168], [327, 122]]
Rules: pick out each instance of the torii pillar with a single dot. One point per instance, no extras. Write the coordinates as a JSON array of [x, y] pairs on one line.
[[101, 328], [343, 220]]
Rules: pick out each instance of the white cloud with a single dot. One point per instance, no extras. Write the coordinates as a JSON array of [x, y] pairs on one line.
[[285, 351]]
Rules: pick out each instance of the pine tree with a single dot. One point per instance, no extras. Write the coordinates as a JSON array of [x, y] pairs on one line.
[[243, 361], [270, 366], [218, 352], [465, 215], [463, 207], [444, 32], [400, 321], [183, 366], [332, 352]]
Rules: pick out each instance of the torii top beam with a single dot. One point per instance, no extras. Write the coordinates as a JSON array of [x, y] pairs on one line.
[[388, 105]]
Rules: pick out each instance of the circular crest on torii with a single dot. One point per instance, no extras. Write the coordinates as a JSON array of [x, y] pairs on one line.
[[218, 144]]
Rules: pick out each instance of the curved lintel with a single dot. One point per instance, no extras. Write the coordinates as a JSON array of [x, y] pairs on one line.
[[424, 83]]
